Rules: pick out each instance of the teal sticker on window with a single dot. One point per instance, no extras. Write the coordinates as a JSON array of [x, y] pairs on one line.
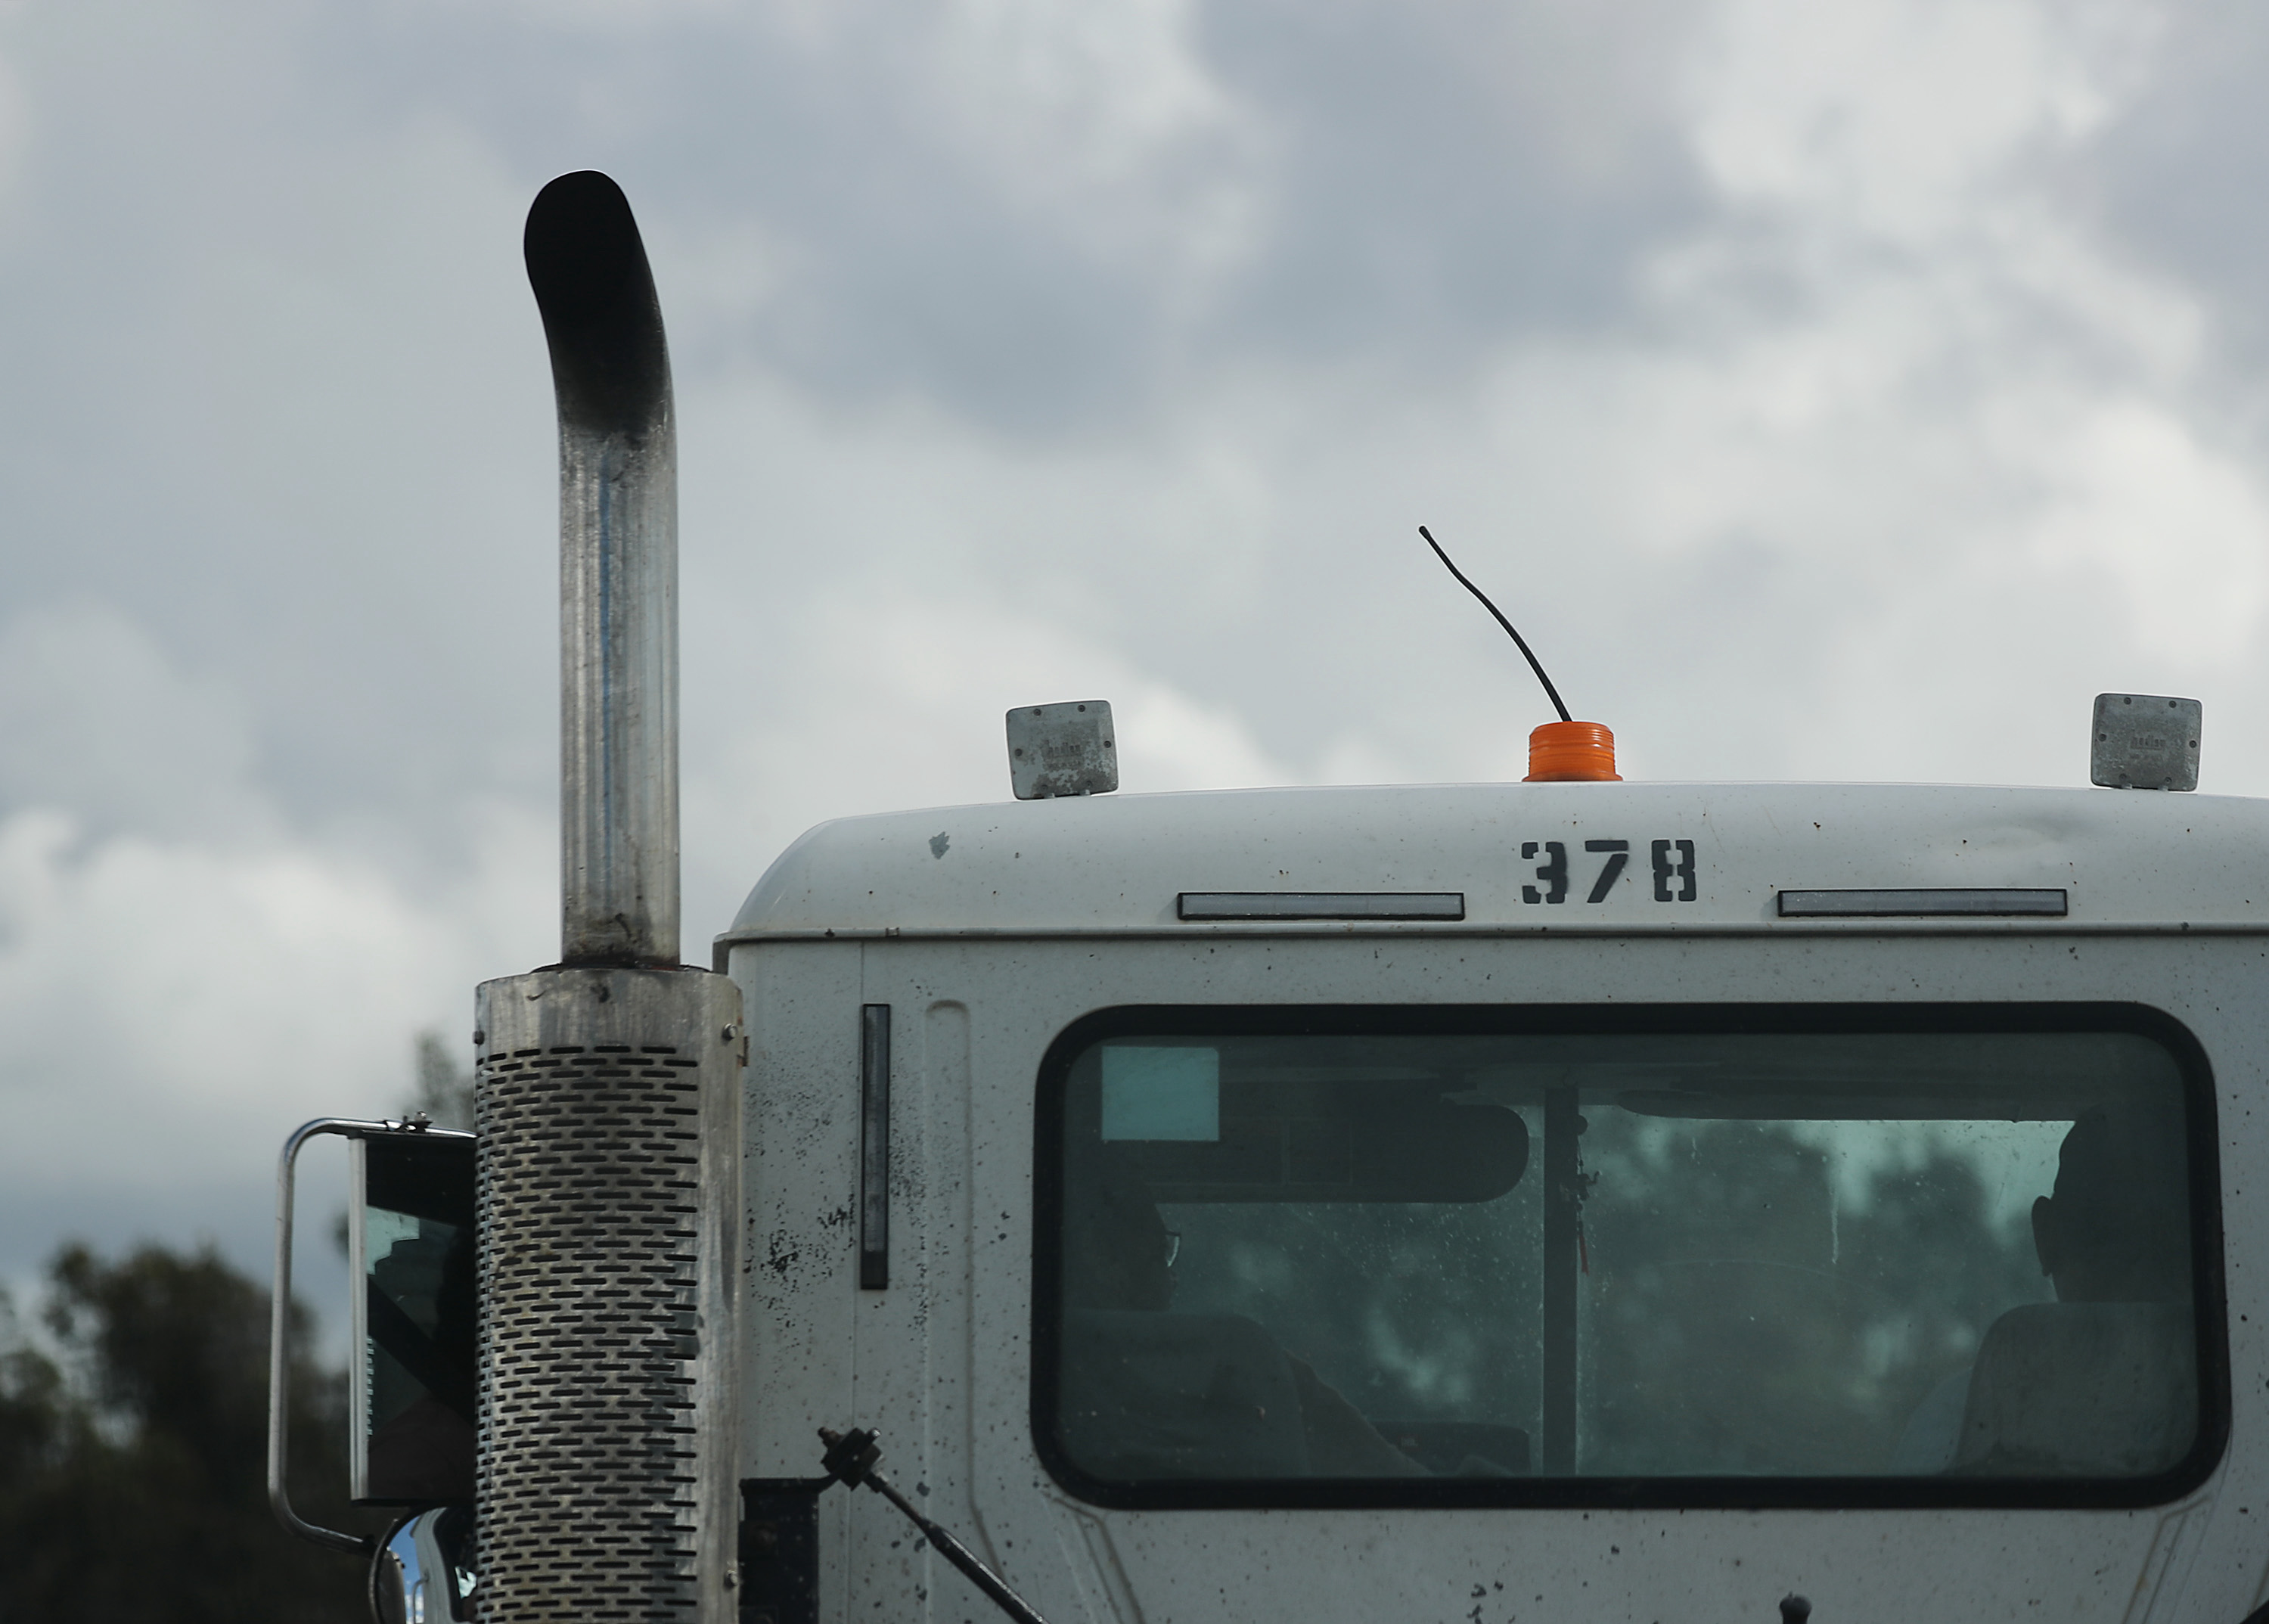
[[1161, 1094]]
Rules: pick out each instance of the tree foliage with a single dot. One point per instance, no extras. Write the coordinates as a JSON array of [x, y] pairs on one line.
[[1734, 1316], [133, 1453]]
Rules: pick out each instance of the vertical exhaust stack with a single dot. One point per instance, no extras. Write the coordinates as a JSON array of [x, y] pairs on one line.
[[608, 1095], [617, 576]]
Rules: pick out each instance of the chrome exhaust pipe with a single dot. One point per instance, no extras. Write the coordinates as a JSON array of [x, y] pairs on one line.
[[618, 575], [607, 1100]]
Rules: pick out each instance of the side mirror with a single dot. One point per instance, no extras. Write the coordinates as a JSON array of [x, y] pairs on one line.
[[409, 1250], [409, 1247]]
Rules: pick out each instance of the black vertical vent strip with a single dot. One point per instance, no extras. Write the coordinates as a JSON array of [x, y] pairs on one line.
[[874, 1147]]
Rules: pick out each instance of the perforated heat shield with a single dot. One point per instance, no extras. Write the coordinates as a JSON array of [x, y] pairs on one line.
[[608, 1106]]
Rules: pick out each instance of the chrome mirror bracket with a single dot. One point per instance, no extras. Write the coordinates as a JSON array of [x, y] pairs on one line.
[[420, 1574]]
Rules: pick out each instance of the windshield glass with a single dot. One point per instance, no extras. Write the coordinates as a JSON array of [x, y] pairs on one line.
[[1954, 1256]]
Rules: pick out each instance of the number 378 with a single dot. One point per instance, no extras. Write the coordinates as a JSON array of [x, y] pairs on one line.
[[1673, 862]]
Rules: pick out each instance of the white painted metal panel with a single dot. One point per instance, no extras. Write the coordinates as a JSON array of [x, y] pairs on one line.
[[943, 1369], [800, 1255]]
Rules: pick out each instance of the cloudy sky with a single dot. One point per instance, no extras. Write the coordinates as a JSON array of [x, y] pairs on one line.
[[1842, 391]]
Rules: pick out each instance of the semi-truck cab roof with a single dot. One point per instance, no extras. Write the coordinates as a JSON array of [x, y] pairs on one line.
[[1464, 859]]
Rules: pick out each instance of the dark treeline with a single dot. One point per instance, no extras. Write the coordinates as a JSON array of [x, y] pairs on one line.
[[133, 1439], [133, 1453], [1732, 1319], [1742, 1324]]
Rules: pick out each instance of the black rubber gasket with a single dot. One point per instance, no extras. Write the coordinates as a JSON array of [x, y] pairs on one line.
[[1650, 1493]]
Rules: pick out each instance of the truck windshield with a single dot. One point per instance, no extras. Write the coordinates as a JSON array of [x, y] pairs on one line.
[[1959, 1264]]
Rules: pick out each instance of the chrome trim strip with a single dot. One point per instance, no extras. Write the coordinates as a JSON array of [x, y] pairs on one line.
[[1320, 906], [1964, 902]]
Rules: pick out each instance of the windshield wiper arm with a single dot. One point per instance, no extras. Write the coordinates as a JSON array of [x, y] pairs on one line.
[[850, 1460]]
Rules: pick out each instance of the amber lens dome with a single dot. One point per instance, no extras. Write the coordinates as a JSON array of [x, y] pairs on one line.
[[1572, 752]]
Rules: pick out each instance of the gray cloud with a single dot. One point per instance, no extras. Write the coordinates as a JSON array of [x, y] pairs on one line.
[[2178, 175], [1801, 377]]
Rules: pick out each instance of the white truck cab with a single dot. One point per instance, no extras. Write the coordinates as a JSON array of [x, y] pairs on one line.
[[1568, 1200], [1571, 1201]]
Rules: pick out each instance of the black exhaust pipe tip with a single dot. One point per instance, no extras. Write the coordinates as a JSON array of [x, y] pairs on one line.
[[602, 319]]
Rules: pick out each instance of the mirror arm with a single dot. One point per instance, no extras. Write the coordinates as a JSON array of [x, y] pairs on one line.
[[279, 1328]]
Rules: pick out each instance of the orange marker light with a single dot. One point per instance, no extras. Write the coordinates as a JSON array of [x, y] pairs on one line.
[[1572, 752]]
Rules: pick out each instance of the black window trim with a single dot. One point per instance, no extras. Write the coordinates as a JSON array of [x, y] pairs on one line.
[[1936, 1493]]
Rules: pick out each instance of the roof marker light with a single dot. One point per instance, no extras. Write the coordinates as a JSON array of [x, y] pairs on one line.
[[1572, 753], [2145, 741], [1062, 750]]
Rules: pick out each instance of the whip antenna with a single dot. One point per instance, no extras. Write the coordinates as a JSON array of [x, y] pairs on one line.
[[1519, 642]]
